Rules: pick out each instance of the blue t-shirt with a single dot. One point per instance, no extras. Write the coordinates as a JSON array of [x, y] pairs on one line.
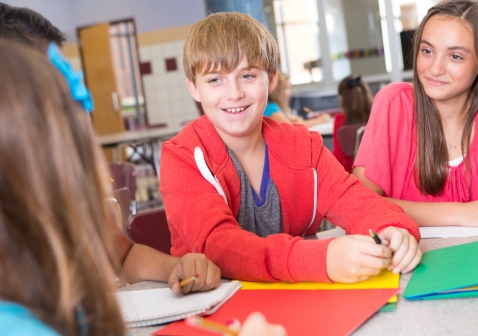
[[271, 108], [16, 320]]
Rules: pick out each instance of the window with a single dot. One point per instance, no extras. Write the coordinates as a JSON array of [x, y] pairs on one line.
[[297, 27]]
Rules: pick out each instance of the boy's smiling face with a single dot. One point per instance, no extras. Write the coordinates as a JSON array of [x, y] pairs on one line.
[[234, 102]]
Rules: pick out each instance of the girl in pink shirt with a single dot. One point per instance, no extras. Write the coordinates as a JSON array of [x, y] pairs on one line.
[[420, 148]]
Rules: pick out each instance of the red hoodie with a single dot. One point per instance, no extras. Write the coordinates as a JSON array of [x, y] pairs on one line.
[[311, 185]]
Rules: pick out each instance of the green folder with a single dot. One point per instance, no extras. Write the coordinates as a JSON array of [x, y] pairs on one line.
[[450, 272]]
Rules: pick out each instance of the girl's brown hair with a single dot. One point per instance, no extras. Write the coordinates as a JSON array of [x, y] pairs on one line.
[[55, 255], [278, 96], [220, 41], [356, 99], [432, 158]]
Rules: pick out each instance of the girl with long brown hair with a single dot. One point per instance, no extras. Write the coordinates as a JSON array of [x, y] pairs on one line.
[[59, 248], [136, 262], [56, 260], [420, 148]]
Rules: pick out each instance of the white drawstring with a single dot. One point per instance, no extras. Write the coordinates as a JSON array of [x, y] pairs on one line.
[[315, 202], [206, 172]]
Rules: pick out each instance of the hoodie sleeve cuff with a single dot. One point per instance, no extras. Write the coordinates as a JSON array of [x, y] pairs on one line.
[[307, 260]]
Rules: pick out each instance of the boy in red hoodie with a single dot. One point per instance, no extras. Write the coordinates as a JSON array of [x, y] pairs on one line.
[[244, 189]]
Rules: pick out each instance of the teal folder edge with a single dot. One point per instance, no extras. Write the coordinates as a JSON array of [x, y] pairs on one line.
[[455, 295], [445, 269], [389, 307]]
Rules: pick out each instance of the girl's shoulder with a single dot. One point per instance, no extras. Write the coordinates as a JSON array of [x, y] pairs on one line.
[[18, 320], [271, 108], [397, 89]]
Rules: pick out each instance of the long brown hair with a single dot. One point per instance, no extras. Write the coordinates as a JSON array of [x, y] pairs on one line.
[[356, 99], [432, 158], [55, 254], [278, 96]]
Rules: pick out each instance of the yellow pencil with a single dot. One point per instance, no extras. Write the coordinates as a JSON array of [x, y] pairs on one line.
[[200, 322], [188, 280]]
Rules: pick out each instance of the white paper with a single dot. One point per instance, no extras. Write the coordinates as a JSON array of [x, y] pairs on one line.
[[325, 128], [448, 231], [155, 306]]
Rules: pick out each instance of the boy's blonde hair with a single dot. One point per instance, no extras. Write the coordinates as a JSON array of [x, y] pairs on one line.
[[220, 41]]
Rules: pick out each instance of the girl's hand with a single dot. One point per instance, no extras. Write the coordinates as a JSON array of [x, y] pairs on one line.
[[406, 252], [356, 258], [256, 324], [209, 275]]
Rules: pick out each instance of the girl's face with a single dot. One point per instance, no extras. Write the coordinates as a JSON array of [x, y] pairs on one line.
[[447, 63]]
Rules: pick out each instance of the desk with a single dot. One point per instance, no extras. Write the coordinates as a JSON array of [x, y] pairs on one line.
[[152, 136], [434, 317], [326, 130]]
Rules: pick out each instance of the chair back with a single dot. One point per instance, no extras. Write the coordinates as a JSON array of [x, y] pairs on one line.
[[123, 201], [349, 137], [124, 175], [150, 228]]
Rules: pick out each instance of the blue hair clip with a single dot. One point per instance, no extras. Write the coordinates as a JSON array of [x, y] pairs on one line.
[[74, 78]]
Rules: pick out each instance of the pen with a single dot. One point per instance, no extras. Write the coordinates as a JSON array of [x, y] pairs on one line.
[[375, 237], [200, 322], [188, 280]]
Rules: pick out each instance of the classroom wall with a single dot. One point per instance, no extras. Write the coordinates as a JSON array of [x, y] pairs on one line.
[[364, 30], [58, 12], [167, 95], [162, 27], [149, 15]]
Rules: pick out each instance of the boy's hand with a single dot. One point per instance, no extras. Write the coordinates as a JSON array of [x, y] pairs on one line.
[[190, 265], [356, 258], [406, 252]]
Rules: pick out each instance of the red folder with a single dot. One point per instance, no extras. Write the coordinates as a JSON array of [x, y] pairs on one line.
[[302, 312]]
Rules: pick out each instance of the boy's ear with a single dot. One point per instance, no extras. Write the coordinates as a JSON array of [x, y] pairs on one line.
[[272, 81], [193, 90]]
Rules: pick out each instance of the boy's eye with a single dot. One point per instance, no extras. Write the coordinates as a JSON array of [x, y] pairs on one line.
[[456, 57], [213, 80], [248, 76]]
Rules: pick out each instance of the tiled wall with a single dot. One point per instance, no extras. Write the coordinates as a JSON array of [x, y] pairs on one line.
[[167, 96]]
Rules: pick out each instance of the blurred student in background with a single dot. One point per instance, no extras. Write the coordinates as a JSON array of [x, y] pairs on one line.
[[278, 105], [356, 101]]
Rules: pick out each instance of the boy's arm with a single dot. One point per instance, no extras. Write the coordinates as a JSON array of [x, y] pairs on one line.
[[202, 222], [348, 204]]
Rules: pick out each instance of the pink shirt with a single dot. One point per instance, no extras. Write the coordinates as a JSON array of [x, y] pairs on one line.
[[389, 148]]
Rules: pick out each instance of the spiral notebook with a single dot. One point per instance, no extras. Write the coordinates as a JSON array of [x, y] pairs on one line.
[[155, 306]]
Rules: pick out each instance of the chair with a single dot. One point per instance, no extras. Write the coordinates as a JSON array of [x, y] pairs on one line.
[[123, 199], [150, 228], [124, 175], [349, 137]]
